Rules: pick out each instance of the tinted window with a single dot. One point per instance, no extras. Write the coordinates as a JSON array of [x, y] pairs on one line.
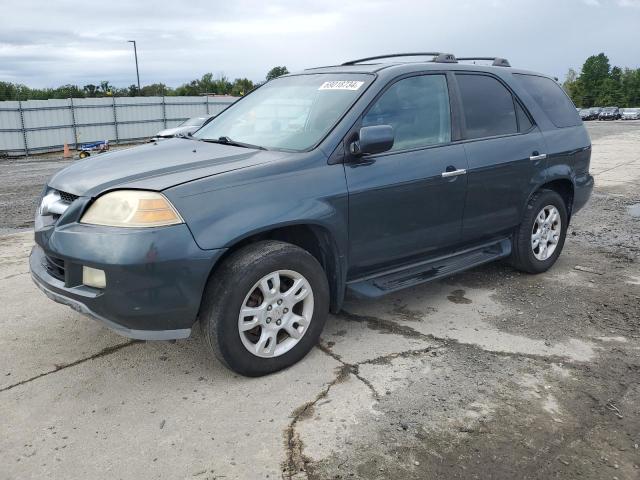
[[418, 110], [488, 106], [551, 99], [524, 122]]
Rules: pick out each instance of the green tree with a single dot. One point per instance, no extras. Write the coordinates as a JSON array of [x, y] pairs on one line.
[[90, 90], [132, 90], [276, 72], [155, 90], [188, 89], [630, 86], [106, 88], [595, 71], [241, 86], [573, 87], [206, 84]]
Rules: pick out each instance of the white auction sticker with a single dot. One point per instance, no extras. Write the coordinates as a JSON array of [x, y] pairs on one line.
[[341, 85]]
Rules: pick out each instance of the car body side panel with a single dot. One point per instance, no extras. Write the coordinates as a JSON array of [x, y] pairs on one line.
[[223, 211], [401, 206], [500, 175]]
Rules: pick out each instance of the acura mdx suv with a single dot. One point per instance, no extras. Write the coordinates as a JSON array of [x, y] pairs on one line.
[[368, 177]]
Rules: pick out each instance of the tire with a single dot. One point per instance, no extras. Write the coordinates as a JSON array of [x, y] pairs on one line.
[[524, 255], [236, 284], [83, 155]]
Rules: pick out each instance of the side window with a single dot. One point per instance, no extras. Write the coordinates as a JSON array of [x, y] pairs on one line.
[[524, 122], [551, 99], [488, 106], [418, 110]]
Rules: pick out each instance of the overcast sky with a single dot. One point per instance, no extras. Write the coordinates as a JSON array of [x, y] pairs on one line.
[[53, 42]]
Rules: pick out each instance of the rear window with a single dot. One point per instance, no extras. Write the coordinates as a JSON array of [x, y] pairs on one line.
[[551, 99], [488, 106]]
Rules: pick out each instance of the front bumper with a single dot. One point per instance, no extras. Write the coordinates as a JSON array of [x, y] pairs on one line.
[[155, 276]]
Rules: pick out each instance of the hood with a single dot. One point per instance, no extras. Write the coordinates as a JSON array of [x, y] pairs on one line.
[[171, 132], [155, 166]]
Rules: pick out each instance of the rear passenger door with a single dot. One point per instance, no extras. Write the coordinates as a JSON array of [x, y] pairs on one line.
[[505, 153]]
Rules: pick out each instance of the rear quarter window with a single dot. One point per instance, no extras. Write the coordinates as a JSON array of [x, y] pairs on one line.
[[551, 99]]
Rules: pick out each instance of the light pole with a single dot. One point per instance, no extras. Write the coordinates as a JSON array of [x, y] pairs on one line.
[[135, 52]]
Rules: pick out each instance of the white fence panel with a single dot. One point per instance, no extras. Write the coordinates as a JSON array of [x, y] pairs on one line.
[[37, 126]]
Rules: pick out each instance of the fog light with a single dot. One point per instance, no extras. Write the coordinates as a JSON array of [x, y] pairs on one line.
[[92, 277]]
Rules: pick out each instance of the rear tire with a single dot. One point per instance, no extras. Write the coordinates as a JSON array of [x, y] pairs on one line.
[[539, 239], [257, 287]]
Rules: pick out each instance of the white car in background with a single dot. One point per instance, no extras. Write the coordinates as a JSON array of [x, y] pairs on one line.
[[190, 125], [631, 114]]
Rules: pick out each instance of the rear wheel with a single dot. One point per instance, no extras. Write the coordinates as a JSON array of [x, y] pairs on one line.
[[539, 239], [265, 307], [83, 154]]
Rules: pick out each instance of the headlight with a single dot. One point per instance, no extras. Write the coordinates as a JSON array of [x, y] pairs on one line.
[[132, 208]]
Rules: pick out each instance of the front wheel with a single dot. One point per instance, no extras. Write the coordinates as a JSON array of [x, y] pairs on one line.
[[538, 240], [265, 307]]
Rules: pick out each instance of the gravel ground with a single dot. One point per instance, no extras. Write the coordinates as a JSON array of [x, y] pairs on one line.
[[488, 374]]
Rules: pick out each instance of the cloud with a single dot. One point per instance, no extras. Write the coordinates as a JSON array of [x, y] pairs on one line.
[[45, 43]]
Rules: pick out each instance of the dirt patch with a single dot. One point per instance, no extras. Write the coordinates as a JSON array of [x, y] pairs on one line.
[[457, 296]]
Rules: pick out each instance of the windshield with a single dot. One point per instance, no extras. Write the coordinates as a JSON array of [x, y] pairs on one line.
[[288, 113], [610, 109], [193, 122]]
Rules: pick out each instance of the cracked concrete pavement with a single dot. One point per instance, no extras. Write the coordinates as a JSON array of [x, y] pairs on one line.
[[489, 374]]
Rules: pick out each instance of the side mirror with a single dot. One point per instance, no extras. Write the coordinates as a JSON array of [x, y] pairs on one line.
[[374, 139]]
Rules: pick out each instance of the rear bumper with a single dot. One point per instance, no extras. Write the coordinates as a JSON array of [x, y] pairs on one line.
[[582, 191], [155, 277]]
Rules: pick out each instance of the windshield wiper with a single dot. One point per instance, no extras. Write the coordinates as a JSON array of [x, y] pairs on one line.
[[228, 141]]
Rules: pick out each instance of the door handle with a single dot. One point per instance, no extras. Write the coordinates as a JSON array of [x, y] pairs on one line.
[[537, 156], [454, 173]]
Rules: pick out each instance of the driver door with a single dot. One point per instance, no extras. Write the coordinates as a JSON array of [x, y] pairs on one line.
[[400, 203]]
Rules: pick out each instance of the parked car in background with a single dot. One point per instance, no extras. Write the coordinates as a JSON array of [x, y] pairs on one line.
[[190, 125], [631, 114], [585, 114], [595, 112], [609, 113], [258, 224], [590, 113]]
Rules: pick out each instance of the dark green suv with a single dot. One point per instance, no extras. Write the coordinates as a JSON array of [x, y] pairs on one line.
[[370, 176]]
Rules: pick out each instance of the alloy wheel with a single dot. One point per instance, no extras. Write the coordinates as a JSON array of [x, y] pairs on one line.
[[276, 313], [545, 233]]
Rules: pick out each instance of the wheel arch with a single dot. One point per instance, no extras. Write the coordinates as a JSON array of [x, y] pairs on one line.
[[312, 237], [563, 186]]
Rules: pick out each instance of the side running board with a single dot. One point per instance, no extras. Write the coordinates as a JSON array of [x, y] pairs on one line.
[[422, 272]]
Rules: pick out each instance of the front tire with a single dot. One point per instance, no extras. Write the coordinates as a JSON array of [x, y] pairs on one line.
[[539, 239], [265, 307]]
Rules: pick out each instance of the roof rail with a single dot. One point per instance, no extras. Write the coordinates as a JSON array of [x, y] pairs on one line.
[[497, 61], [438, 57]]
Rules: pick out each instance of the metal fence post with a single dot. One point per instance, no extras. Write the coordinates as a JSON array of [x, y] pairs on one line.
[[24, 132], [207, 102], [164, 113], [75, 127], [115, 120]]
